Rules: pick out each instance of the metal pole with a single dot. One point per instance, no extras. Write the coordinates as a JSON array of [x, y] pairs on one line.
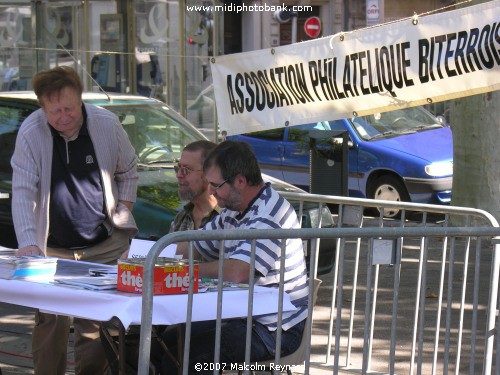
[[182, 58], [218, 21]]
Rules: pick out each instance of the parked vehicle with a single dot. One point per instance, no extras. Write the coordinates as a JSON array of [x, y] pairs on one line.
[[158, 135], [402, 155]]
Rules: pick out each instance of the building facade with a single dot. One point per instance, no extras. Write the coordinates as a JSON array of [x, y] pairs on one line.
[[162, 48]]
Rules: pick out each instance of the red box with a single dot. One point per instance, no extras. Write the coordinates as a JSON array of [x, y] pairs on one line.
[[170, 276]]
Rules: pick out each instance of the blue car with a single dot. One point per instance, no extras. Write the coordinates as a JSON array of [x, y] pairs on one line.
[[402, 155]]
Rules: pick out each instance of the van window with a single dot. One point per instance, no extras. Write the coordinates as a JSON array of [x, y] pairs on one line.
[[268, 135]]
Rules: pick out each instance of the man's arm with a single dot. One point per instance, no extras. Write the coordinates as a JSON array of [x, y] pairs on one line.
[[25, 185], [235, 270], [183, 249], [126, 175], [128, 204]]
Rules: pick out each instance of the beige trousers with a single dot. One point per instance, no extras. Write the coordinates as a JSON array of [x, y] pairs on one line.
[[51, 332]]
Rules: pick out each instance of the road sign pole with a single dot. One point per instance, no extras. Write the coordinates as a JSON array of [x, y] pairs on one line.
[[294, 28]]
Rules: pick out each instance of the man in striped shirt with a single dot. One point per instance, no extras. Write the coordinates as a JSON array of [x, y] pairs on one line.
[[236, 182]]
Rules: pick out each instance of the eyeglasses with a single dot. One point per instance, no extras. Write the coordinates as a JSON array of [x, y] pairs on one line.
[[184, 171], [215, 186]]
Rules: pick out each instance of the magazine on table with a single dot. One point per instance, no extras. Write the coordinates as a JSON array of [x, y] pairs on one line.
[[90, 282], [27, 267]]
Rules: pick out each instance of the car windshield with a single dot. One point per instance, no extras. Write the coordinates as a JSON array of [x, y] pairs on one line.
[[394, 123], [156, 132]]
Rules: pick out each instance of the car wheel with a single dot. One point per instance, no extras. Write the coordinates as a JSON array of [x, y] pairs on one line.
[[389, 188]]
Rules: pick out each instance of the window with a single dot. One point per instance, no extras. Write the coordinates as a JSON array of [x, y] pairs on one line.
[[10, 120], [300, 133], [269, 135], [157, 136]]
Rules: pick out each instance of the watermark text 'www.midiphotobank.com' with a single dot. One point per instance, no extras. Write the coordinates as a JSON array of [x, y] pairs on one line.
[[248, 8]]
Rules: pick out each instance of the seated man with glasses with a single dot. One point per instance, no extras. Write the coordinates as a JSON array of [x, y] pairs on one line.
[[235, 180], [194, 188], [201, 207]]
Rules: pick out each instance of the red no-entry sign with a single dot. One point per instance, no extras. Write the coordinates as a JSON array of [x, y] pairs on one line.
[[312, 27]]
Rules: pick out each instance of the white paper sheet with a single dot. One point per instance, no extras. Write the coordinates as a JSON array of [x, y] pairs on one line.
[[140, 248]]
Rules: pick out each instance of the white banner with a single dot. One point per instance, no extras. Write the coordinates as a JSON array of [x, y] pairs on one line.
[[411, 62]]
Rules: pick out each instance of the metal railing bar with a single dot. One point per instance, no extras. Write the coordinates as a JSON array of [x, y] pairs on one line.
[[424, 247], [313, 259], [449, 301], [475, 304], [368, 317], [353, 300], [440, 304], [220, 296], [417, 306], [189, 312], [251, 279], [317, 241], [462, 304], [492, 313], [340, 293], [373, 203], [309, 233], [397, 284], [337, 265], [334, 301], [374, 297], [372, 315], [310, 308], [423, 291], [280, 301], [498, 345]]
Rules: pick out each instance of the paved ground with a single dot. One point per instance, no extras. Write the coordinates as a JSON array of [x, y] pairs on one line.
[[16, 322], [15, 339]]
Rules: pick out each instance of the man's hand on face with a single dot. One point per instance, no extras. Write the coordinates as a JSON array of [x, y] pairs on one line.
[[124, 254], [30, 250]]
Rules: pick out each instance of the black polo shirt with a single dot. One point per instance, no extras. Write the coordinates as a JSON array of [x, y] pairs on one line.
[[77, 209]]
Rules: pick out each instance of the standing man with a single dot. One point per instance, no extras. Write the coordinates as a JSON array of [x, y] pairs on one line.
[[74, 185], [235, 180]]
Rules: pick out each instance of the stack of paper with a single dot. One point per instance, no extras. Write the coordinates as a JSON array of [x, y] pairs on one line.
[[91, 282], [7, 251], [31, 268]]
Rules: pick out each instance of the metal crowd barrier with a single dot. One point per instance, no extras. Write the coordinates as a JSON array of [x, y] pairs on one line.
[[413, 295]]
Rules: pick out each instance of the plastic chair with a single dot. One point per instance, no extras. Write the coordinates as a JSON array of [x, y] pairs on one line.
[[299, 356]]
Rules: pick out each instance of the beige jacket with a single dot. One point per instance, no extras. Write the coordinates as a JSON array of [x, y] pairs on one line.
[[32, 164]]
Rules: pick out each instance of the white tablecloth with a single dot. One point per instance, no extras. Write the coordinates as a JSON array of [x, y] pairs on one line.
[[167, 309]]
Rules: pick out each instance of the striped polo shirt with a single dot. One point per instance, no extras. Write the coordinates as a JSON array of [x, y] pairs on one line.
[[267, 211]]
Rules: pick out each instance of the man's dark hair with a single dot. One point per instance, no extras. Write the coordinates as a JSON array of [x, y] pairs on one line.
[[235, 158], [51, 82], [204, 146]]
